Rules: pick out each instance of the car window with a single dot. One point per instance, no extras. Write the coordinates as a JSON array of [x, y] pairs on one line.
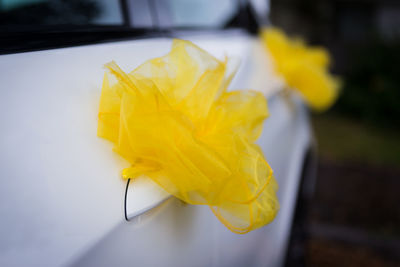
[[196, 13], [142, 13], [27, 25], [37, 13]]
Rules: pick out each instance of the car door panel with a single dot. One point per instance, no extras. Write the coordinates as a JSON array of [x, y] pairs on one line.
[[61, 193]]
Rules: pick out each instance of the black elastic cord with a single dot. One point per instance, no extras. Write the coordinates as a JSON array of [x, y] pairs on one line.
[[126, 196]]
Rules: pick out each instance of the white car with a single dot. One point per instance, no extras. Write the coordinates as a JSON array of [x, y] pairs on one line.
[[62, 200]]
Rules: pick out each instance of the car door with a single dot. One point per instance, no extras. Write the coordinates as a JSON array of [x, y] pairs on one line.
[[61, 194]]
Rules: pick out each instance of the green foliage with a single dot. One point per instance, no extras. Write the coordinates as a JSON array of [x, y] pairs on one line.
[[341, 139], [371, 89]]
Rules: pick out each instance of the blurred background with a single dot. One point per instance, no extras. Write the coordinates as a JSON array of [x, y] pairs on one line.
[[354, 216]]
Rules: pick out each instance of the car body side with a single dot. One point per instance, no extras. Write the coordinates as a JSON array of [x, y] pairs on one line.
[[61, 194]]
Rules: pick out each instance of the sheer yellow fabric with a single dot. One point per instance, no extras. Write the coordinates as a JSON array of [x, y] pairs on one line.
[[174, 121], [304, 68]]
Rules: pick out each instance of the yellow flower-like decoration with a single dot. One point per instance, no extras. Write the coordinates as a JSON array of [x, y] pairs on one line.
[[304, 68], [174, 121]]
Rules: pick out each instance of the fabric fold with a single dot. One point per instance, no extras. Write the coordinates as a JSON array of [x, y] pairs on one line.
[[304, 68], [174, 121]]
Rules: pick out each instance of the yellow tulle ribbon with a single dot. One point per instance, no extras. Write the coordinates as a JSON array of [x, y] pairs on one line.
[[173, 119], [304, 68]]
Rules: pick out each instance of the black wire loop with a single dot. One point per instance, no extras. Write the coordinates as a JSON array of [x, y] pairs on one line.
[[126, 196]]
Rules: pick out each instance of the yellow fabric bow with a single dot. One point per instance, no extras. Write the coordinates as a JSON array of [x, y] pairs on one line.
[[304, 68], [174, 121]]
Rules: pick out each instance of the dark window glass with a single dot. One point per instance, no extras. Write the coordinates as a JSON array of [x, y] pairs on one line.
[[27, 25], [196, 13], [37, 13]]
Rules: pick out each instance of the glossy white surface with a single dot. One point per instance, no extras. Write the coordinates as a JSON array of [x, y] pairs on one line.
[[61, 195], [175, 234]]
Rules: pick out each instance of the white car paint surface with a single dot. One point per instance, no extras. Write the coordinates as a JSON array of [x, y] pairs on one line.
[[61, 192]]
